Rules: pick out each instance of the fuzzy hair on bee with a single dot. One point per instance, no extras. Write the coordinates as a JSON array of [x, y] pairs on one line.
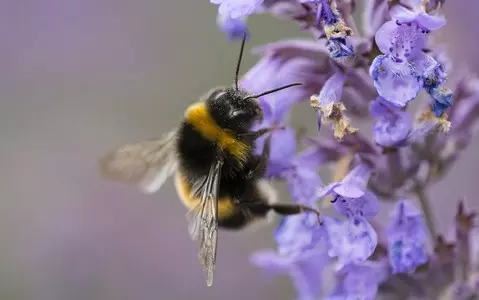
[[211, 154]]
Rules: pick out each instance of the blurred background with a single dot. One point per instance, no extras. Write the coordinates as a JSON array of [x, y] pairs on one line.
[[79, 78]]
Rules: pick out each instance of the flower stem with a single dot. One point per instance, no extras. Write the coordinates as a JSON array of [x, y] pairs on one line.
[[421, 194]]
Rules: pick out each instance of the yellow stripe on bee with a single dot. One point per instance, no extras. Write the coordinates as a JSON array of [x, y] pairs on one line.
[[226, 206], [198, 116]]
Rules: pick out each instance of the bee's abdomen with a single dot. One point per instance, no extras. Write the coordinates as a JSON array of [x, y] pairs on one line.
[[226, 205]]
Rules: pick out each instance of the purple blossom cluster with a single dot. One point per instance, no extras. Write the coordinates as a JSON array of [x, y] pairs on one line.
[[348, 76]]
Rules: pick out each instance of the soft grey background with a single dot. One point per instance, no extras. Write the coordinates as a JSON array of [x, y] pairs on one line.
[[81, 77]]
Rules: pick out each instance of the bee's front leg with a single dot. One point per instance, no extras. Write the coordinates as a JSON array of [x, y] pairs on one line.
[[259, 169], [254, 135]]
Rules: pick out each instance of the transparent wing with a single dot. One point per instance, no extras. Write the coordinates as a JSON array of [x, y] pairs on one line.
[[145, 164], [203, 219]]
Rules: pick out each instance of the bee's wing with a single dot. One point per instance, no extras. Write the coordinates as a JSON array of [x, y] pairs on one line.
[[203, 219], [146, 164]]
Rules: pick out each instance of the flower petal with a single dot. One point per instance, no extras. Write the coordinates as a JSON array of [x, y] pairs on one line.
[[395, 82], [430, 22], [352, 241], [407, 238], [307, 274], [237, 8], [270, 261], [392, 129], [326, 190], [367, 206], [383, 36], [233, 28], [303, 184], [355, 183], [332, 89]]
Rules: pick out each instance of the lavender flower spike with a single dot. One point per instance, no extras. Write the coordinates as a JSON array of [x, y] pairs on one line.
[[351, 197], [330, 110], [407, 238]]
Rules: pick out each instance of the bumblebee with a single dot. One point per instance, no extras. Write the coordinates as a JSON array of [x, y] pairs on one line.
[[211, 155]]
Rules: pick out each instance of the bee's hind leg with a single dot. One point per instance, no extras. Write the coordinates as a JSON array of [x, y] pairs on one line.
[[283, 209], [293, 209]]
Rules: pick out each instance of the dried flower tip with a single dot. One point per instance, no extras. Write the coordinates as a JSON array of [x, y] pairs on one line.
[[444, 251], [430, 6], [464, 220], [333, 113], [443, 124], [337, 30]]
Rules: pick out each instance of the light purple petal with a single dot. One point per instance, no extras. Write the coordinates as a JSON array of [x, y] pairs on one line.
[[395, 82], [379, 107], [367, 206], [233, 28], [283, 145], [407, 238], [355, 183], [424, 65], [360, 281], [402, 14], [352, 241], [270, 261], [383, 36], [402, 41], [326, 190], [393, 129], [431, 22], [237, 8], [306, 274], [303, 184], [332, 89], [299, 233]]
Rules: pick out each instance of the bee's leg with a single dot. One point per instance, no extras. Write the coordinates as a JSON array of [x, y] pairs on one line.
[[254, 135], [282, 209], [262, 161], [293, 209]]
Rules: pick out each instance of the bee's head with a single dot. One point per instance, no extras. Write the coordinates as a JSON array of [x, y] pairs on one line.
[[233, 109]]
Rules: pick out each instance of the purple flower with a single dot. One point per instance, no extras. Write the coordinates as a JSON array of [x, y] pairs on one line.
[[301, 254], [233, 28], [351, 198], [392, 125], [235, 9], [407, 238], [360, 281], [395, 81], [352, 241], [404, 37]]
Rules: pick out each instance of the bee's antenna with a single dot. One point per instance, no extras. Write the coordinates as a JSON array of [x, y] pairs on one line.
[[239, 60], [273, 90]]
